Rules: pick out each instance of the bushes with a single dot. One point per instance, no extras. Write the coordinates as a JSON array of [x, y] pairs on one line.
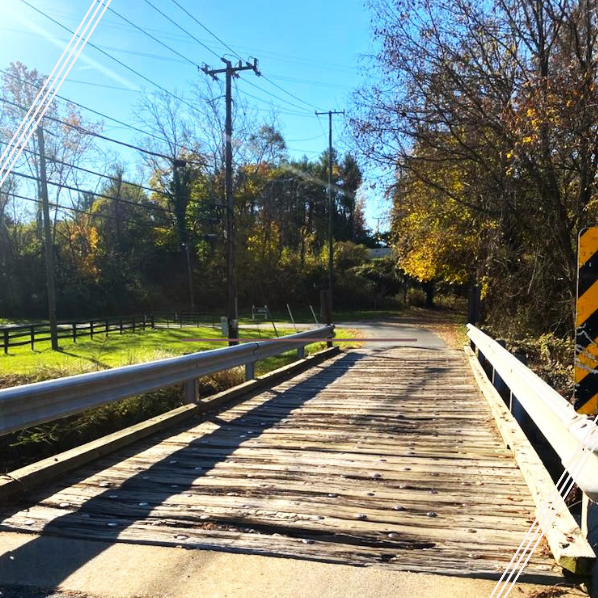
[[548, 356], [39, 442]]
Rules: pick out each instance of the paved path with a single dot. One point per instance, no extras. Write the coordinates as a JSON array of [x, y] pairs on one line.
[[386, 458]]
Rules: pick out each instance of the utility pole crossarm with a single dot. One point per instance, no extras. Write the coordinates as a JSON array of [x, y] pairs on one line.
[[248, 66]]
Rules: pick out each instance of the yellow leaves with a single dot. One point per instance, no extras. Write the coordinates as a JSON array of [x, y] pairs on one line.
[[94, 239]]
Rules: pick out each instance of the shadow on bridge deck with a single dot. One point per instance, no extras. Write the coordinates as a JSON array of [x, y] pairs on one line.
[[386, 457]]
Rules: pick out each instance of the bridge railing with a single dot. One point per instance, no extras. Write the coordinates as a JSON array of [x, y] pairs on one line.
[[34, 404], [568, 432]]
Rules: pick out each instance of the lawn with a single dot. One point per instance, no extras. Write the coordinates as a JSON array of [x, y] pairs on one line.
[[116, 349]]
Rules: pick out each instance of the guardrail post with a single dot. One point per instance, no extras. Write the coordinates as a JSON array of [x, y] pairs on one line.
[[250, 371], [301, 353], [107, 327], [497, 381], [589, 518], [120, 325], [74, 326], [481, 358], [191, 391], [6, 341], [153, 322], [32, 334]]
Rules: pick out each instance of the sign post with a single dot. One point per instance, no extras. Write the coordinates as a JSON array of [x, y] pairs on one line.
[[586, 323]]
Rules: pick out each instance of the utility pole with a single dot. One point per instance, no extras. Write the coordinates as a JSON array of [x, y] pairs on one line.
[[232, 309], [330, 113], [176, 164], [48, 242]]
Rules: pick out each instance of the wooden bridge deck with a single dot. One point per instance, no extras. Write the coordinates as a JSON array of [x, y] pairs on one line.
[[385, 458]]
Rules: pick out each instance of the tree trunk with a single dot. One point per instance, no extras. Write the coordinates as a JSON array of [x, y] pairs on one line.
[[429, 290]]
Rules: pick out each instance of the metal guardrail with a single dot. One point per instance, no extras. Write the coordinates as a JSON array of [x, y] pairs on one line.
[[34, 404], [565, 430]]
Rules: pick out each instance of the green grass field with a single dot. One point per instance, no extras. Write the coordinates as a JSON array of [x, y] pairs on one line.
[[117, 349]]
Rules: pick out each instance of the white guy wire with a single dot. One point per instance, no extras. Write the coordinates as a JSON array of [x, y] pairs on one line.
[[576, 463], [43, 108], [26, 119], [587, 453]]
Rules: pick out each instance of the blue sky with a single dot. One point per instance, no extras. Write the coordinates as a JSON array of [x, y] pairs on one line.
[[312, 49]]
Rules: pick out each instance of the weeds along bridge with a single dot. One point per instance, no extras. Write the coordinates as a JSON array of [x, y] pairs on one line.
[[395, 458]]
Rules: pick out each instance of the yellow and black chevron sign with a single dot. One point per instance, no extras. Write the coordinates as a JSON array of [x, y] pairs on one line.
[[586, 325]]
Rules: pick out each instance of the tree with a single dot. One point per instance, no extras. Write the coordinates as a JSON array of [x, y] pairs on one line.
[[505, 96]]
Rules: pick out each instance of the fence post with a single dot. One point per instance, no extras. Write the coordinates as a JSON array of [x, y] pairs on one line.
[[250, 371], [32, 334], [91, 329], [74, 325], [191, 391], [6, 341], [473, 304], [144, 324], [120, 325], [153, 323], [107, 327], [326, 310], [301, 353]]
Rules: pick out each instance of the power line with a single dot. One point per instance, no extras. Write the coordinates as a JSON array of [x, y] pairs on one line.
[[163, 44], [93, 172], [100, 136], [120, 62], [116, 180], [58, 207], [313, 82], [215, 54], [92, 193], [152, 37], [103, 85], [206, 29], [145, 32], [291, 94], [273, 95], [240, 58], [182, 29], [96, 112]]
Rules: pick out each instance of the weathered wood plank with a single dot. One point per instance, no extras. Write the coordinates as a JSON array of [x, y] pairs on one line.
[[389, 459]]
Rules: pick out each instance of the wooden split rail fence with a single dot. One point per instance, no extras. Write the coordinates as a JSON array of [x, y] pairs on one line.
[[32, 334]]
